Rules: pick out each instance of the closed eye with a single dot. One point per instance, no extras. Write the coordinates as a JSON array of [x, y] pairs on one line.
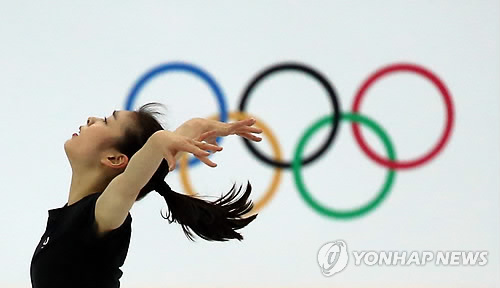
[[105, 120]]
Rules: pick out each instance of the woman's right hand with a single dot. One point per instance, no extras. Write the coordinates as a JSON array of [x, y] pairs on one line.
[[169, 144]]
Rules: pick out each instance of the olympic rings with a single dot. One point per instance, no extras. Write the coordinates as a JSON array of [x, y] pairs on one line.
[[182, 67], [186, 183], [316, 76], [449, 115], [330, 212], [333, 119]]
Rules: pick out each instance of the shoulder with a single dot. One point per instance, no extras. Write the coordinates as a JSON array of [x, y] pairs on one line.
[[91, 227]]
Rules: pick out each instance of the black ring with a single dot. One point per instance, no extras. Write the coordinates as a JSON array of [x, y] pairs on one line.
[[317, 76]]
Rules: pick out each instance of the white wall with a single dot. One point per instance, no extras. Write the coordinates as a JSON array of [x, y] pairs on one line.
[[62, 61]]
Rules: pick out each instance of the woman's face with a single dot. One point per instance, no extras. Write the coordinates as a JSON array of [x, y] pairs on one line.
[[95, 139]]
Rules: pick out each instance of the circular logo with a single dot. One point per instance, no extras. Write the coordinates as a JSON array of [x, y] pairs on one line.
[[333, 257]]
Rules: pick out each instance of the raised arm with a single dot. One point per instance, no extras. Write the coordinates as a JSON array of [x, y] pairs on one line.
[[113, 205]]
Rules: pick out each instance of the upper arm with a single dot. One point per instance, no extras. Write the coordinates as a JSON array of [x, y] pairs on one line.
[[113, 205]]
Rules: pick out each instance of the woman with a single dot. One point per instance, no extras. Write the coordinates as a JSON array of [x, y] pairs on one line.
[[117, 161]]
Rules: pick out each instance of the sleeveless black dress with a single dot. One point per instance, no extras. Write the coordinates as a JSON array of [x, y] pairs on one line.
[[70, 254]]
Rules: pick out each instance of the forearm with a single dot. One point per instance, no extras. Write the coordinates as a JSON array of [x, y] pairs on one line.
[[142, 165]]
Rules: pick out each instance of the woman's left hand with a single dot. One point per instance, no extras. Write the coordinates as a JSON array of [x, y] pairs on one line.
[[243, 128]]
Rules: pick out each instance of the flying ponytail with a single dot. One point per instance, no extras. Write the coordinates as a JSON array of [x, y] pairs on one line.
[[213, 221]]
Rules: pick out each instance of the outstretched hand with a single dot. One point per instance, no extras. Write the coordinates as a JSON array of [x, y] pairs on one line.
[[243, 128], [169, 144]]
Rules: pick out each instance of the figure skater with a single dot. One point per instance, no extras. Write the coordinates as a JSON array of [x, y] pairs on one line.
[[115, 162]]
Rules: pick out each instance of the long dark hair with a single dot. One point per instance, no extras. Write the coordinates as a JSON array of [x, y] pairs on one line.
[[211, 220]]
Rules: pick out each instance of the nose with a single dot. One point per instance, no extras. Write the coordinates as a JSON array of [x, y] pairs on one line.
[[89, 121]]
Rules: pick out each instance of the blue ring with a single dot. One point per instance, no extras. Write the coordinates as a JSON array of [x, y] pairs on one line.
[[182, 67]]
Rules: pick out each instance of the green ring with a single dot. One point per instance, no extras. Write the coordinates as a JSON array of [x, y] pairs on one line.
[[316, 205]]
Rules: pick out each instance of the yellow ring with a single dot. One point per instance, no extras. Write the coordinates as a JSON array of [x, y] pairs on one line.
[[258, 205]]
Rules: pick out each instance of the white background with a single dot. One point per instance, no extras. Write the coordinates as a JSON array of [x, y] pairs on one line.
[[62, 61]]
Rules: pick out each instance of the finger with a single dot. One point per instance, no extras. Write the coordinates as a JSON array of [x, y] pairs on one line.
[[250, 136], [212, 141], [233, 126], [207, 161], [192, 148], [244, 122], [199, 152], [206, 135], [246, 126], [250, 129], [208, 146], [248, 120]]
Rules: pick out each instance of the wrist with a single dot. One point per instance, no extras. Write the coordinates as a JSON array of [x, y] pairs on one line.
[[193, 128]]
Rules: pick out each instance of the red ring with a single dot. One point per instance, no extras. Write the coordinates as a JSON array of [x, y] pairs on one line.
[[449, 116]]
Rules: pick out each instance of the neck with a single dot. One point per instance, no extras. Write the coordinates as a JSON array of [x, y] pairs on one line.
[[84, 184]]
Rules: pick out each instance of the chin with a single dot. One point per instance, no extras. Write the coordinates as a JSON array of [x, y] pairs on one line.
[[69, 148]]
